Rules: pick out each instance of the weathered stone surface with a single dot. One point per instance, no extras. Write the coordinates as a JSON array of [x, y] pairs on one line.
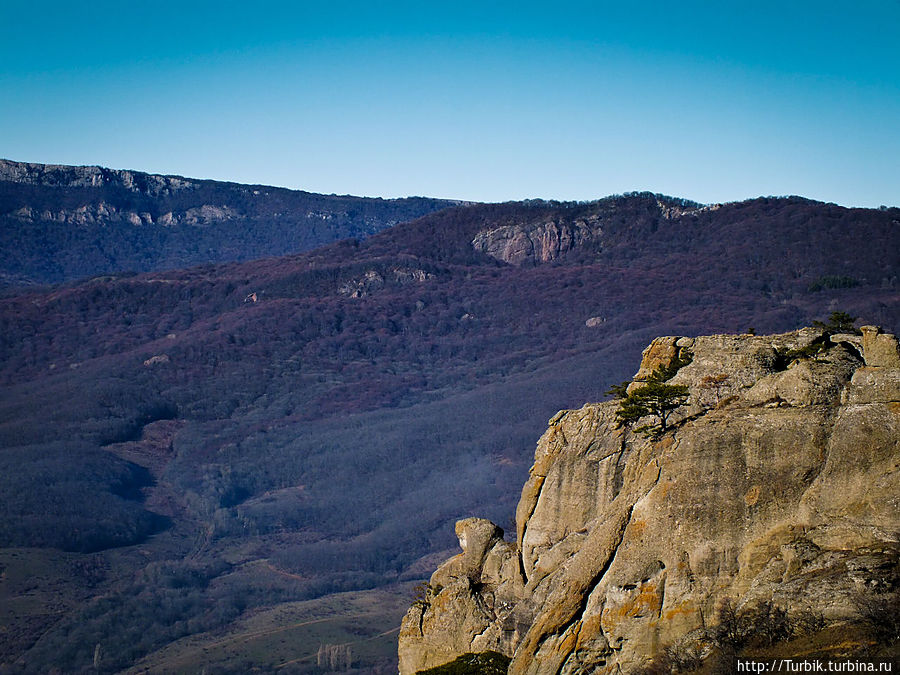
[[157, 360], [372, 281], [540, 242], [659, 354], [880, 349], [469, 602], [807, 381], [873, 385], [103, 213], [782, 485]]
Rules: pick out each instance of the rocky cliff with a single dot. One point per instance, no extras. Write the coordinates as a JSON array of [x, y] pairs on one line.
[[60, 175], [539, 242], [777, 481]]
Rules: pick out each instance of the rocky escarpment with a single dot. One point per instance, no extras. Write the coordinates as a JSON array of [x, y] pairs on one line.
[[59, 175], [107, 214], [539, 242], [579, 234], [59, 223], [778, 480]]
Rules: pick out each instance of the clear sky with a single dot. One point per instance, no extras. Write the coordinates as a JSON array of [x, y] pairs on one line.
[[489, 101]]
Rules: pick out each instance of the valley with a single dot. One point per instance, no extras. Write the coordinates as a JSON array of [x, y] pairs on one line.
[[238, 462]]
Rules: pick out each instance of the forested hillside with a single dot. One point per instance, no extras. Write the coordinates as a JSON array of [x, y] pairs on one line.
[[60, 223], [212, 445]]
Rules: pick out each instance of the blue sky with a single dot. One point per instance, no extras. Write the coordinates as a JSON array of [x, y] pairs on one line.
[[489, 101]]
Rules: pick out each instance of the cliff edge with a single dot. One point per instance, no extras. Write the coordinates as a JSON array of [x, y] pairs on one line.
[[777, 480]]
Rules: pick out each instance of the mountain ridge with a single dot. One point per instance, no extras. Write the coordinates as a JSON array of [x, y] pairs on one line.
[[59, 223]]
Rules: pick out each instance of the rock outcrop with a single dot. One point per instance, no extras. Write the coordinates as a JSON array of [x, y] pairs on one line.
[[539, 242], [59, 175], [778, 480]]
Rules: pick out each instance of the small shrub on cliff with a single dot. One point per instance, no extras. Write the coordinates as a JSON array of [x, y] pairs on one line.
[[769, 624], [422, 594], [731, 631], [880, 614], [762, 624], [685, 658], [715, 383], [737, 632], [654, 398], [784, 357], [619, 390], [839, 322], [664, 373], [808, 622], [660, 375]]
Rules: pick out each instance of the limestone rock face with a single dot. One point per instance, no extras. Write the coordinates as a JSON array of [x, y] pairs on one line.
[[91, 176], [467, 604], [778, 480], [540, 242], [372, 281], [880, 348]]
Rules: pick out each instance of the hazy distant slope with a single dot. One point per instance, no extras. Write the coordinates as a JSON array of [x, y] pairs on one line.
[[315, 423], [59, 223]]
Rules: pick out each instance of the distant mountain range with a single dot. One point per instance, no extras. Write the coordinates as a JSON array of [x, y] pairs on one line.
[[190, 452], [59, 223]]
